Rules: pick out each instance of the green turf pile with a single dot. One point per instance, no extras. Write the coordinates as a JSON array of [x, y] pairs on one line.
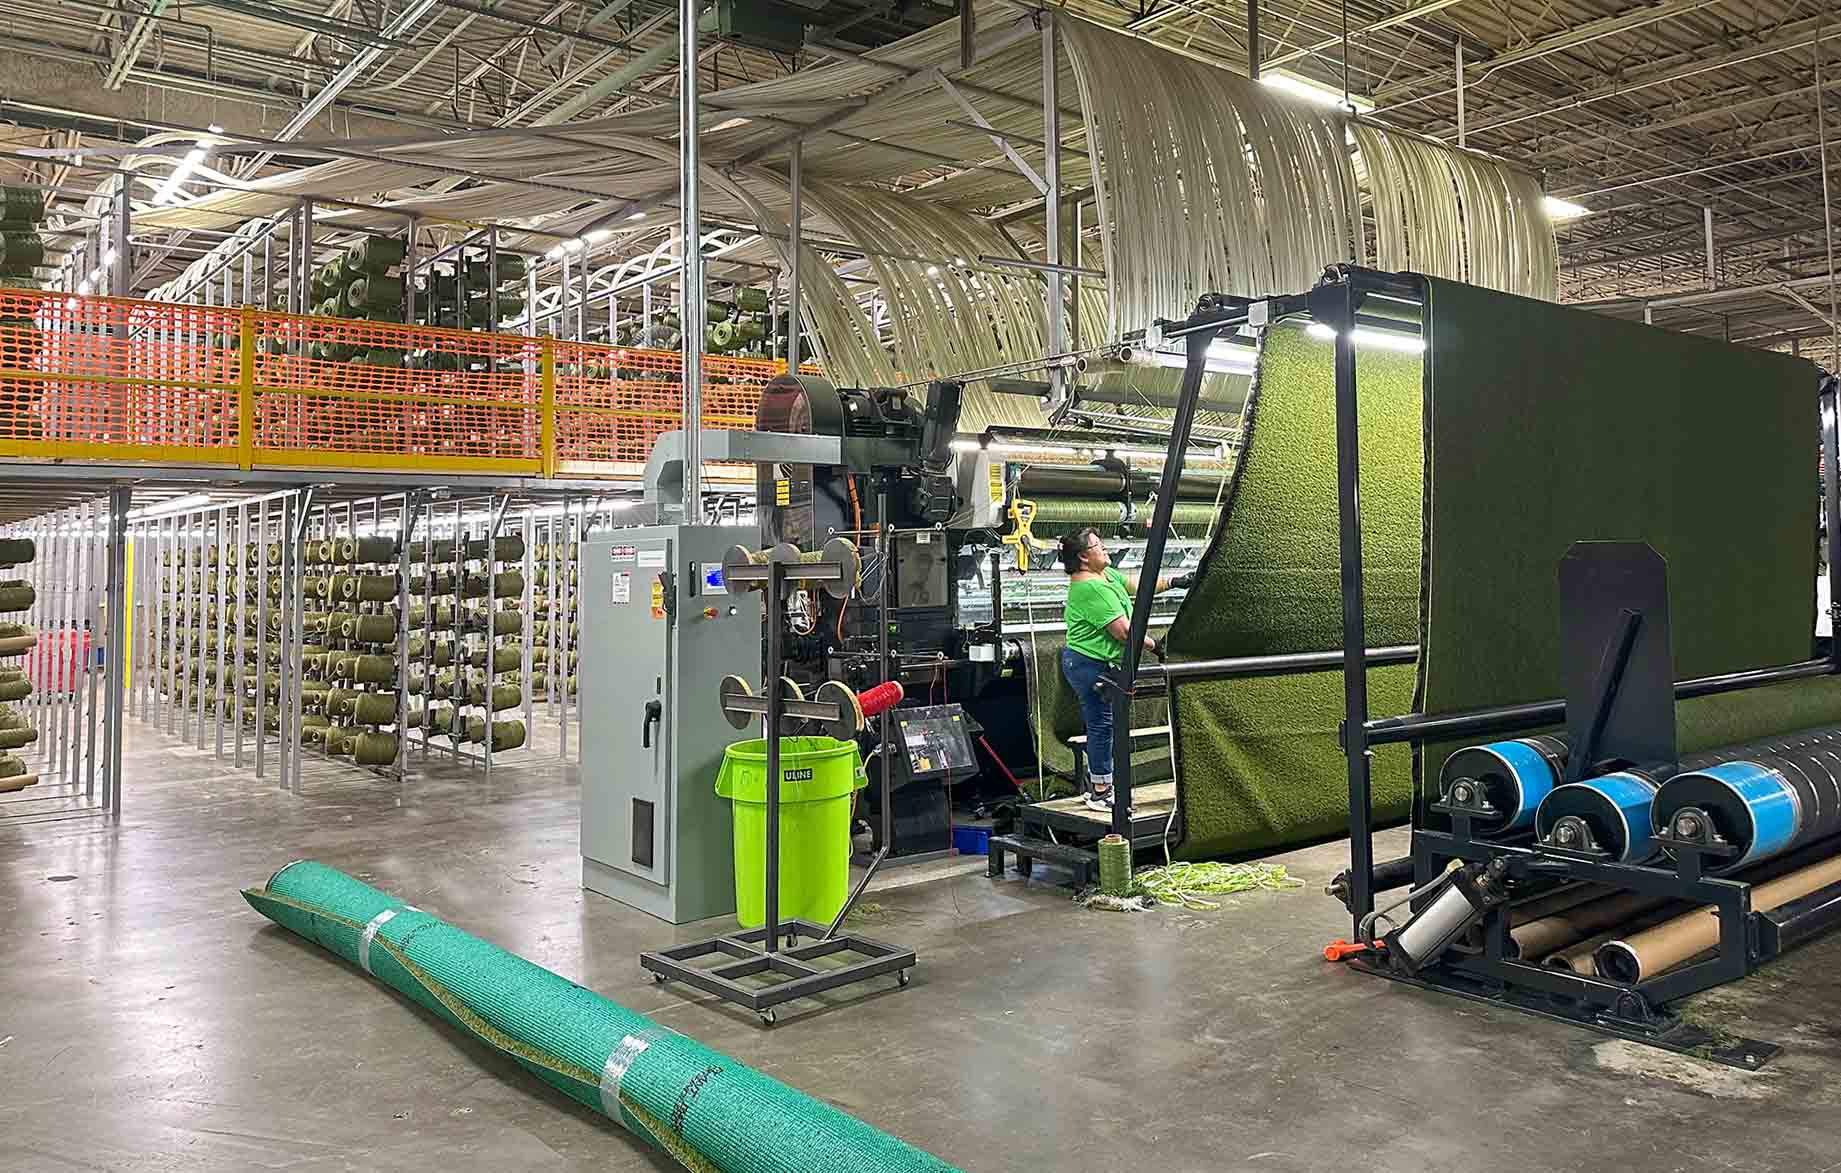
[[1549, 426], [705, 1109], [1258, 760]]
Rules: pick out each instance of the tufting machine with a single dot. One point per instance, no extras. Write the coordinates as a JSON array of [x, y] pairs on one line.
[[1570, 859]]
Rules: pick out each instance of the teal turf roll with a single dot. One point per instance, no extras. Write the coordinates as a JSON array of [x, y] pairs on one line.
[[708, 1111]]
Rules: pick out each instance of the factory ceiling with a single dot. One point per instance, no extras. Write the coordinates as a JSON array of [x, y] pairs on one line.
[[1675, 123]]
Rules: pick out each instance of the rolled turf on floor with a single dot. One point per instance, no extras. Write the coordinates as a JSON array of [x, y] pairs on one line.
[[1549, 425], [705, 1109], [1259, 765]]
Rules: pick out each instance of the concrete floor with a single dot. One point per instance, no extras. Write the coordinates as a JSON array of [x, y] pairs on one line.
[[150, 1021]]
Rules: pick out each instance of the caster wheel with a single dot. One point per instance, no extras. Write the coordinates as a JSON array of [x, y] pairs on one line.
[[768, 1018], [901, 977], [658, 979]]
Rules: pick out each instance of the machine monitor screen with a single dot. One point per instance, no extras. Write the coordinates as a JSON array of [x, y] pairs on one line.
[[936, 742]]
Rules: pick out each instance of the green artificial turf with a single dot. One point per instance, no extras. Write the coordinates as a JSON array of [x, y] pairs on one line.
[[1061, 718], [1548, 426], [1259, 764]]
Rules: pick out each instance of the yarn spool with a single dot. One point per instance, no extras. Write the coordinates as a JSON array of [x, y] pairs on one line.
[[505, 658], [1115, 866], [367, 588], [374, 708], [881, 698], [374, 669], [370, 629], [17, 595], [374, 749]]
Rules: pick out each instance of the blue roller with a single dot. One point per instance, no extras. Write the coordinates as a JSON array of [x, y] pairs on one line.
[[1615, 808], [1762, 808], [1515, 775]]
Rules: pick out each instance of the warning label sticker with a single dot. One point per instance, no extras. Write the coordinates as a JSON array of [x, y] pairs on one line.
[[623, 586], [623, 553]]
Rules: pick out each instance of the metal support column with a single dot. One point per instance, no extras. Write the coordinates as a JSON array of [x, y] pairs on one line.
[[121, 275], [1051, 205], [1253, 50], [116, 648], [1354, 621], [795, 236], [1457, 56], [1713, 260], [690, 316]]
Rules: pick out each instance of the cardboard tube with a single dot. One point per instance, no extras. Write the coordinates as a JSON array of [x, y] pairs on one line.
[[1538, 938], [1643, 955], [1577, 959]]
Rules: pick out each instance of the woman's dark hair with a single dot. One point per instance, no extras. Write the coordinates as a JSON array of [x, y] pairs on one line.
[[1074, 547]]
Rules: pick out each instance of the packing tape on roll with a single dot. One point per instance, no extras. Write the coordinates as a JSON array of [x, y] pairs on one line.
[[370, 933], [619, 1060]]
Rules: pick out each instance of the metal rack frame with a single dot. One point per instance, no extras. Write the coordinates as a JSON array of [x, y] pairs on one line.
[[758, 952]]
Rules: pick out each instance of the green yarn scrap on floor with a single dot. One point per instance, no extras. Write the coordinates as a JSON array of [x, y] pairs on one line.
[[708, 1111], [1259, 765], [1548, 426]]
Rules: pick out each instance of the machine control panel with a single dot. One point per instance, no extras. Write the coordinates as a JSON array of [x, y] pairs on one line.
[[935, 742]]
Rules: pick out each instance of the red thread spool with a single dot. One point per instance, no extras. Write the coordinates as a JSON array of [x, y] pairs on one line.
[[881, 698]]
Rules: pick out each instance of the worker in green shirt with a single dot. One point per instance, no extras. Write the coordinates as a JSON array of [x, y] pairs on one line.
[[1098, 616]]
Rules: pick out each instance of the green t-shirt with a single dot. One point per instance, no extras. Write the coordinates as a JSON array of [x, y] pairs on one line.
[[1092, 604]]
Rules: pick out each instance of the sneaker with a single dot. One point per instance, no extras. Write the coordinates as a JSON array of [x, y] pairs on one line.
[[1099, 802]]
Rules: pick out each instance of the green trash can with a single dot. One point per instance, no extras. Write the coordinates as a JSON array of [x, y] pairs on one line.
[[818, 778]]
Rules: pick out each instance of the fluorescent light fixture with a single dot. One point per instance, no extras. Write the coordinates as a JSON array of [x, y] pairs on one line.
[[598, 235], [637, 216], [83, 287], [933, 270], [181, 173], [1379, 339], [555, 252], [728, 124], [214, 128], [1313, 92], [574, 246], [1559, 209], [176, 505], [1224, 358]]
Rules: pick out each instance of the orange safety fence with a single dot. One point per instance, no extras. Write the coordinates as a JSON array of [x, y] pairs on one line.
[[102, 378]]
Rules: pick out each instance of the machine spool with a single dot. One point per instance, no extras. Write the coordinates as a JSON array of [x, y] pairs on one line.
[[1762, 804], [841, 551], [1513, 776], [848, 723], [1609, 813]]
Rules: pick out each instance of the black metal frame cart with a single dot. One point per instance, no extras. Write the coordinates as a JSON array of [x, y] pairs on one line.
[[1634, 1010], [764, 973]]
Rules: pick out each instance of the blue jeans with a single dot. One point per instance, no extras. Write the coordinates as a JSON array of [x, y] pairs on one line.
[[1082, 674]]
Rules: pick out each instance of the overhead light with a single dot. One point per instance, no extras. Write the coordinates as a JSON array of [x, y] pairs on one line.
[[933, 270], [637, 216], [574, 246], [728, 124], [176, 505], [1316, 93], [555, 252], [598, 235], [1224, 358], [1559, 209], [84, 286], [77, 160], [214, 128], [1033, 449], [181, 173], [1379, 339]]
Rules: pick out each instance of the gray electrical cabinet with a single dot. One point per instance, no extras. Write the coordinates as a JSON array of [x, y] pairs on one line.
[[658, 633]]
